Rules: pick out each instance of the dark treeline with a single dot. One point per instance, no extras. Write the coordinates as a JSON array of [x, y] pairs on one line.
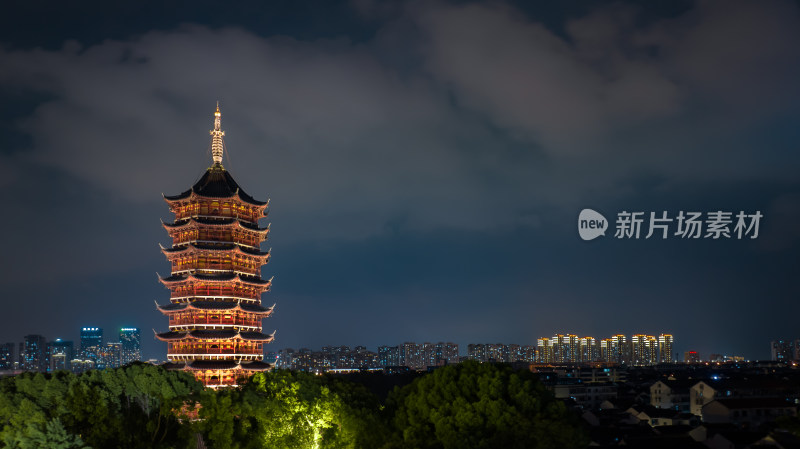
[[469, 405]]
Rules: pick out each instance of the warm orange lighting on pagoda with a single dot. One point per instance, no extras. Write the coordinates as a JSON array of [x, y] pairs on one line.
[[215, 309]]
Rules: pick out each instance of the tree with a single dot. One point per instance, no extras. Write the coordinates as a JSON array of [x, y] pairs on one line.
[[474, 405], [53, 436], [132, 407], [284, 409]]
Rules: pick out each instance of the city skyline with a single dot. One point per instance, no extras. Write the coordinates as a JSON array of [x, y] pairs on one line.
[[427, 163], [36, 353], [617, 348]]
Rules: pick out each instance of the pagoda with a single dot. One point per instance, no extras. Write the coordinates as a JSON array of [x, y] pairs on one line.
[[215, 309]]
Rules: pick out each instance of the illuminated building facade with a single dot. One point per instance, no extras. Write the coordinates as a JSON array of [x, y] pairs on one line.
[[665, 342], [33, 352], [59, 355], [215, 312], [641, 350], [784, 350], [91, 343], [589, 350], [388, 355], [131, 345], [7, 356]]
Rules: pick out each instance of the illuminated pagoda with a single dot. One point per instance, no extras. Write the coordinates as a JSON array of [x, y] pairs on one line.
[[215, 310]]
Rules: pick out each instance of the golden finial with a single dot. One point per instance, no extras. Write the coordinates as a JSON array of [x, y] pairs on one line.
[[216, 138]]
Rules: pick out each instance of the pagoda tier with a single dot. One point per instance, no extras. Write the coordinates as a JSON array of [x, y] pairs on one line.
[[212, 258], [215, 312], [204, 230], [215, 318]]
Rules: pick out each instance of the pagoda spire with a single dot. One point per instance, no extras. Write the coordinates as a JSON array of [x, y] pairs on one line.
[[216, 138]]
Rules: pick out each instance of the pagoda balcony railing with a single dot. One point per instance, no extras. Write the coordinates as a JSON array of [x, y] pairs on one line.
[[191, 327], [215, 293], [217, 215], [249, 242], [210, 269], [221, 351], [231, 321], [221, 298]]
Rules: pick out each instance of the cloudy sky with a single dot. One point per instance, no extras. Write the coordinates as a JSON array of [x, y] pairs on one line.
[[426, 164]]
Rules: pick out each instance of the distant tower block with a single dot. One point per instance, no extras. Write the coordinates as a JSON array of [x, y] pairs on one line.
[[215, 310]]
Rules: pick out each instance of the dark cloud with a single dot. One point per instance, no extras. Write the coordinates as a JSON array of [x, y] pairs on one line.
[[425, 180]]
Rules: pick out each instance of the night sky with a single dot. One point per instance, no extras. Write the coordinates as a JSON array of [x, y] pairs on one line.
[[426, 164]]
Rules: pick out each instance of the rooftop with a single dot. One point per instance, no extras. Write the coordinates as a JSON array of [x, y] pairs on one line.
[[217, 182]]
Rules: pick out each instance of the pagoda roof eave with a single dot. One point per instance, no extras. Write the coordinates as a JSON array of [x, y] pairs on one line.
[[231, 247], [170, 336], [173, 365], [203, 334], [178, 197], [198, 365], [225, 222], [214, 305], [190, 195], [256, 366], [174, 279]]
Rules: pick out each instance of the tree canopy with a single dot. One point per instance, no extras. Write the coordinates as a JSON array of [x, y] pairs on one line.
[[130, 407], [481, 405], [470, 405]]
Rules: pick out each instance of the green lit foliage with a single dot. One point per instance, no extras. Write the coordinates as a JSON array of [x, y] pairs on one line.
[[130, 407], [474, 405], [284, 409]]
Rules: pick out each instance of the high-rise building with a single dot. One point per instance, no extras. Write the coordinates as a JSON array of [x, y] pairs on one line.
[[527, 353], [362, 358], [544, 350], [131, 341], [285, 359], [514, 352], [607, 350], [337, 357], [215, 312], [388, 356], [496, 352], [412, 356], [620, 349], [589, 351], [110, 355], [665, 342], [34, 353], [91, 343], [784, 350], [7, 356], [59, 355], [448, 352], [644, 350], [476, 352], [562, 348], [691, 357], [652, 350]]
